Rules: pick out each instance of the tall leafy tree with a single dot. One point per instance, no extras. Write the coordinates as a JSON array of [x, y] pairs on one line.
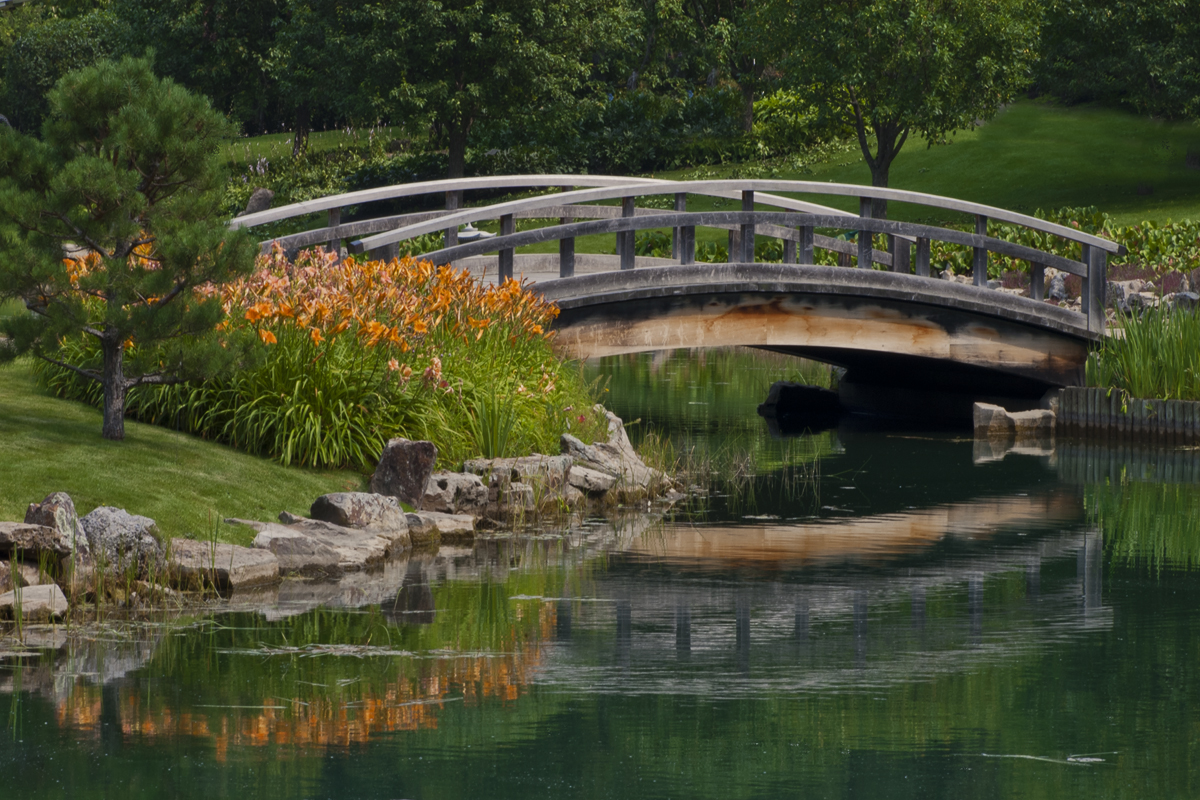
[[109, 223], [457, 62], [1143, 55], [894, 68], [740, 45]]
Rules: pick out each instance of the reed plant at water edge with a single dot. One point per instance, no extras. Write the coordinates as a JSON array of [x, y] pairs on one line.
[[1152, 356]]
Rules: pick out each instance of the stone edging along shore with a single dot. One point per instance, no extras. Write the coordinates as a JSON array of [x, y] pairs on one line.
[[120, 557]]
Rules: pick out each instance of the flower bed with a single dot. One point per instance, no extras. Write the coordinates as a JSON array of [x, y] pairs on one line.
[[358, 352]]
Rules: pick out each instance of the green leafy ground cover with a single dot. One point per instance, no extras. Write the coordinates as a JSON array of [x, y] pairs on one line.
[[184, 483]]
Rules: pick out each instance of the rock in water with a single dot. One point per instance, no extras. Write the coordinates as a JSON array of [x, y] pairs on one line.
[[616, 457], [455, 493], [35, 603], [57, 511], [360, 510], [260, 200], [195, 565], [119, 540], [591, 482], [404, 470]]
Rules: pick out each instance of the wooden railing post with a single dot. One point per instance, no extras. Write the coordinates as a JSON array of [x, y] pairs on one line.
[[1085, 293], [1037, 281], [1097, 285], [901, 252], [980, 261], [335, 242], [789, 251], [735, 246], [687, 244], [804, 252], [676, 235], [747, 231], [507, 227], [625, 239], [865, 245], [921, 265], [453, 201], [566, 249]]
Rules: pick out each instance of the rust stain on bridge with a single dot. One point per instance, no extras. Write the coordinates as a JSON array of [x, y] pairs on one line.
[[845, 325]]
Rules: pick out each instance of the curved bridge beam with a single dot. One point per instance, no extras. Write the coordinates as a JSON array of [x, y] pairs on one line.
[[900, 329]]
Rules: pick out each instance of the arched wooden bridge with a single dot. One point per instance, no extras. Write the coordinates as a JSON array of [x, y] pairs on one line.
[[888, 321]]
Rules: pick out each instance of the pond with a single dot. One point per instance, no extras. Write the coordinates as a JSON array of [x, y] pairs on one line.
[[858, 612]]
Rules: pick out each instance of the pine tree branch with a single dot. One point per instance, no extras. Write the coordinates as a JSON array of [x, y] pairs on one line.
[[87, 373]]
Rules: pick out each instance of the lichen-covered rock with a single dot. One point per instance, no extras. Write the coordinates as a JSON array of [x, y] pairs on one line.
[[455, 493], [31, 540], [544, 472], [404, 469], [197, 565], [359, 510], [57, 511], [120, 540]]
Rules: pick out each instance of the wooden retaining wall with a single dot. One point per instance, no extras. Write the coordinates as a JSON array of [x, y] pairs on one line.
[[1089, 462], [1113, 414]]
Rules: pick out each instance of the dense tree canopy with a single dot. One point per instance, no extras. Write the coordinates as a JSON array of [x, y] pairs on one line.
[[108, 224]]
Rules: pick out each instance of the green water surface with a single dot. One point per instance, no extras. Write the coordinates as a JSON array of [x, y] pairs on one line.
[[860, 612]]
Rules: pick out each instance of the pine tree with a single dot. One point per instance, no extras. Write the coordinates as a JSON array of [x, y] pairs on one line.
[[109, 223]]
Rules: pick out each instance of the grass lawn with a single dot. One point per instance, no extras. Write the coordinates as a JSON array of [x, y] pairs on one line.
[[240, 153], [1036, 155], [186, 484]]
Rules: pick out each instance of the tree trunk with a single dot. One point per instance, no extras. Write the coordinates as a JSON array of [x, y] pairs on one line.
[[115, 388], [879, 177], [300, 138], [457, 130], [748, 106]]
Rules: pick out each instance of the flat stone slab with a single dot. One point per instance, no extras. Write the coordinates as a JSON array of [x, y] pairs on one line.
[[321, 548], [32, 539], [194, 565], [425, 526], [590, 481], [42, 602]]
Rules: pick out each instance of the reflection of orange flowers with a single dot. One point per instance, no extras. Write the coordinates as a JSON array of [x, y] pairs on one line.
[[403, 703]]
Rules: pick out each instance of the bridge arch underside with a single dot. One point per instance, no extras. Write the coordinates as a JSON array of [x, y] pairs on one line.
[[911, 346]]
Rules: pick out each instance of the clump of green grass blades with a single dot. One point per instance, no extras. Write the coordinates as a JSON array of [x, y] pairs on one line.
[[1153, 356]]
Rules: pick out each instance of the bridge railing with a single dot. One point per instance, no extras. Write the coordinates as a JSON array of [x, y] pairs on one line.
[[908, 248]]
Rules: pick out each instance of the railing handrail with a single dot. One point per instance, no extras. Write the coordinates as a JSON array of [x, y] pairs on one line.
[[722, 188], [669, 219], [427, 187]]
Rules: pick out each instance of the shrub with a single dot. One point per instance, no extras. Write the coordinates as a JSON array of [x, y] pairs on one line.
[[360, 352]]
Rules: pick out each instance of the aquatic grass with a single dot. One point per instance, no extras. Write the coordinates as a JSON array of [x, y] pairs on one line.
[[492, 424], [1153, 356]]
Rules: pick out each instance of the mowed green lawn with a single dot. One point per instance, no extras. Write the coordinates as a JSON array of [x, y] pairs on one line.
[[1033, 155], [184, 483]]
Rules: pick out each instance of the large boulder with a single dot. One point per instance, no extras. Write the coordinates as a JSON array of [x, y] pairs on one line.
[[591, 482], [197, 565], [404, 470], [455, 493], [120, 540], [34, 603], [57, 511], [616, 458], [360, 510], [260, 200]]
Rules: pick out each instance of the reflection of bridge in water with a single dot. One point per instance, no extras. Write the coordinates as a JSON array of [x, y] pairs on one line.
[[895, 328]]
